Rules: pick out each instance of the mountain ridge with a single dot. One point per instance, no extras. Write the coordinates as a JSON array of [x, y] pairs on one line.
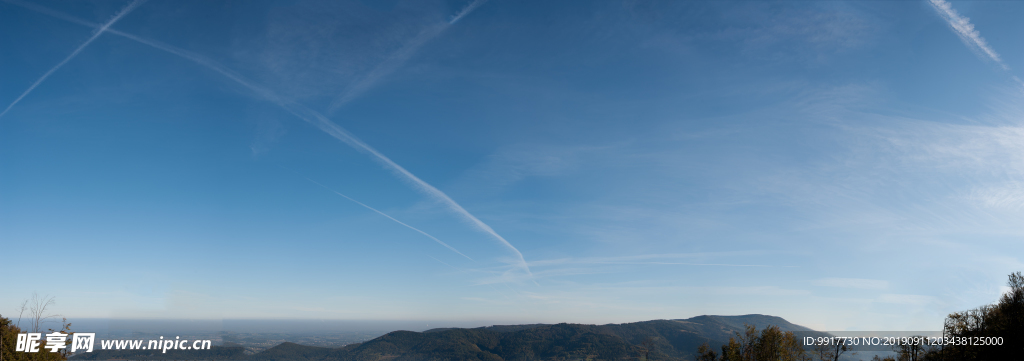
[[667, 339]]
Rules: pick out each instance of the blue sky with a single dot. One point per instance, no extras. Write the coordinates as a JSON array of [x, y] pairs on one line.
[[844, 165]]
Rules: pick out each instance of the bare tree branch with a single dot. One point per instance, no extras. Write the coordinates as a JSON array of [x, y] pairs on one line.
[[21, 311], [37, 310]]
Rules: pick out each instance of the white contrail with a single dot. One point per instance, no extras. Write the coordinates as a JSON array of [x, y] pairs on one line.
[[321, 122], [329, 127], [965, 30], [466, 10], [393, 219], [96, 33], [398, 58], [386, 67]]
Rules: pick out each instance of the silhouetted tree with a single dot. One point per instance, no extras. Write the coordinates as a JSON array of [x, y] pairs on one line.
[[1003, 321], [830, 352], [646, 347], [705, 353]]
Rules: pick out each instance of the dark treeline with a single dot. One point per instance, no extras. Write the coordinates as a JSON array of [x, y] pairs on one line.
[[770, 344], [1003, 321], [970, 334]]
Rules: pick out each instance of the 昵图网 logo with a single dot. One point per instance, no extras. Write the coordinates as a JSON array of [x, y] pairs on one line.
[[57, 341]]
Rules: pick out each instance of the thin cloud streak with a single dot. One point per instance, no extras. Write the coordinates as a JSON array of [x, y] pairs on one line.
[[965, 30], [393, 219], [96, 33], [648, 259], [321, 122], [398, 58], [682, 264], [701, 264]]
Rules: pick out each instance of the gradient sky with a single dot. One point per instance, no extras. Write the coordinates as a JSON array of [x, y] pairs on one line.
[[844, 165]]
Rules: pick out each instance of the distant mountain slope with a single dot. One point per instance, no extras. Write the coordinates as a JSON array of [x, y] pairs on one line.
[[294, 352], [759, 321], [671, 339], [722, 327]]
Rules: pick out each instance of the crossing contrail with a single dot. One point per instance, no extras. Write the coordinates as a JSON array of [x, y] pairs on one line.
[[320, 122], [96, 33], [392, 218]]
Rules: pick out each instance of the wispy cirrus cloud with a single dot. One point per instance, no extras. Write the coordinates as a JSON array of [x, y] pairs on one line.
[[915, 300], [859, 283], [1009, 196], [100, 29], [965, 30]]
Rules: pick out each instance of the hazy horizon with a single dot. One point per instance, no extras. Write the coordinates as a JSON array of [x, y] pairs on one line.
[[297, 326]]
